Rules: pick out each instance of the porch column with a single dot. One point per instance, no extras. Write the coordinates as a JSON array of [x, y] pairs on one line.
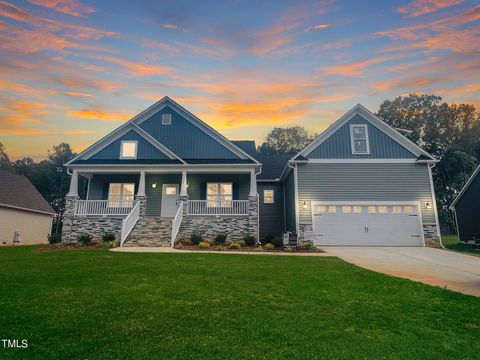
[[183, 189], [141, 184], [253, 183], [73, 184], [69, 233]]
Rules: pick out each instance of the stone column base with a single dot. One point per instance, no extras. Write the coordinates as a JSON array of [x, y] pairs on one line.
[[143, 206], [253, 216], [68, 218]]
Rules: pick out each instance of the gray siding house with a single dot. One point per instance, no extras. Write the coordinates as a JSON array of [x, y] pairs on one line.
[[165, 174], [465, 207]]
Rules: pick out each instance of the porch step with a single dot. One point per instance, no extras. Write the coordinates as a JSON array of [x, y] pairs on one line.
[[150, 232]]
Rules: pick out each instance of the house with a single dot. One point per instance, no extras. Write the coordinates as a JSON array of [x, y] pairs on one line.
[[465, 207], [23, 210], [165, 174]]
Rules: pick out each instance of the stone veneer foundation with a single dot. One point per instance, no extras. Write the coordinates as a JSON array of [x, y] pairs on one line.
[[430, 235], [157, 232], [74, 226], [235, 227]]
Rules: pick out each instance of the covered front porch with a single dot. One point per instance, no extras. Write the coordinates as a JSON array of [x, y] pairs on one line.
[[179, 201]]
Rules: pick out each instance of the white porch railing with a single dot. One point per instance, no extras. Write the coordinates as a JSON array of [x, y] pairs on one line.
[[129, 222], [217, 207], [177, 222], [103, 207]]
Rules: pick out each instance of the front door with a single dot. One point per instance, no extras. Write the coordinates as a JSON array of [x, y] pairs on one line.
[[169, 200]]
